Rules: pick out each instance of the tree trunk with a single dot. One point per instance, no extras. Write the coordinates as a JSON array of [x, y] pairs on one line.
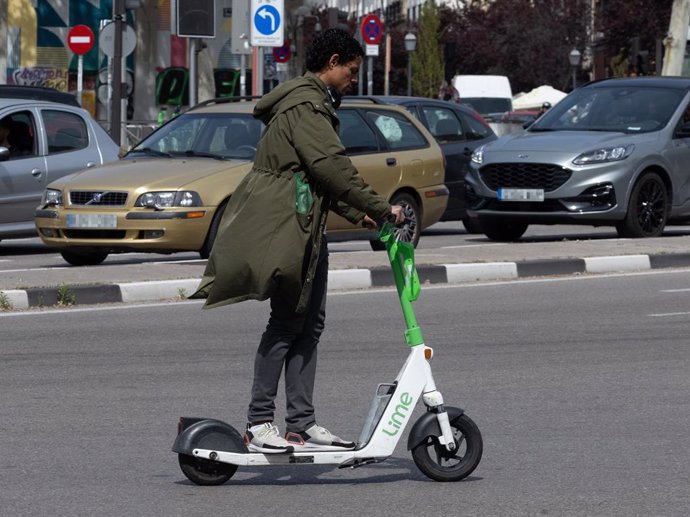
[[677, 38]]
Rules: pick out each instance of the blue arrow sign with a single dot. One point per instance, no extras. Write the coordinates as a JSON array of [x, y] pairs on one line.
[[267, 20]]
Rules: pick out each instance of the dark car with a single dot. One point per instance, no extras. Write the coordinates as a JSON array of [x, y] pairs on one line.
[[459, 130]]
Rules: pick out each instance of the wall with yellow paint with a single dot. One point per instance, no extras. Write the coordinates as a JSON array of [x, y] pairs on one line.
[[20, 13]]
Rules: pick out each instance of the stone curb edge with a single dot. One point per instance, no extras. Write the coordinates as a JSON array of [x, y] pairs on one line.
[[344, 279]]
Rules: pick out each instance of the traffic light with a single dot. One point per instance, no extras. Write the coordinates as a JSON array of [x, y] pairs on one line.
[[193, 18]]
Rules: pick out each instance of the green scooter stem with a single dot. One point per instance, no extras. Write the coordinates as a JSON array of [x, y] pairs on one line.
[[401, 257]]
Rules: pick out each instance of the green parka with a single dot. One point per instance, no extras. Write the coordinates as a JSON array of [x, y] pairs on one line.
[[271, 231]]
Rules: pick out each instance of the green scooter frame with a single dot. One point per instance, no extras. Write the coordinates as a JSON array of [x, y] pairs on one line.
[[446, 444]]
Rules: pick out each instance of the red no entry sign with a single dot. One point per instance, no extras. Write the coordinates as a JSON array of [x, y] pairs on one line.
[[282, 54], [372, 29], [80, 39]]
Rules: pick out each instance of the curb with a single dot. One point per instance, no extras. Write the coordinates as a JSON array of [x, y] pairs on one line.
[[346, 279]]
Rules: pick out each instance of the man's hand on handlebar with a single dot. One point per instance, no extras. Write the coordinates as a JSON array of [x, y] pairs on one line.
[[369, 223], [399, 213], [397, 216]]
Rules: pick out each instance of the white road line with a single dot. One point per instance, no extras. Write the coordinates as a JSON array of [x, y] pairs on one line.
[[473, 246], [185, 261], [33, 269], [663, 315], [118, 307], [675, 290]]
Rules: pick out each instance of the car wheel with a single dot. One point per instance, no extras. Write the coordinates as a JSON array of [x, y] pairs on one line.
[[502, 230], [412, 229], [472, 225], [84, 258], [205, 250], [647, 209]]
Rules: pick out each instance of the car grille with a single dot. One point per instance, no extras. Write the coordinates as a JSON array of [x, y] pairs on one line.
[[97, 197], [524, 175]]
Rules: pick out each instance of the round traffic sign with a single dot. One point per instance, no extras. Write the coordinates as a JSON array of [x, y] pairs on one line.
[[80, 39], [372, 29], [282, 54], [106, 40], [267, 20]]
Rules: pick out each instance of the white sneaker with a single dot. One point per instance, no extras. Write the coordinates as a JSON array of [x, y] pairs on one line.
[[317, 437], [266, 438]]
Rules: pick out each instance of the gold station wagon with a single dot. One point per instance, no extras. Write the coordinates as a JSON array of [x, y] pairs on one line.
[[169, 192]]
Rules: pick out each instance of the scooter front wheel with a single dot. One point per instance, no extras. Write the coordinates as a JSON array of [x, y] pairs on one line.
[[205, 472], [440, 464]]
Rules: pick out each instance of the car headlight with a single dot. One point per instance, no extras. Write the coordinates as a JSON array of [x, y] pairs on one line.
[[605, 154], [51, 197], [169, 199], [478, 155]]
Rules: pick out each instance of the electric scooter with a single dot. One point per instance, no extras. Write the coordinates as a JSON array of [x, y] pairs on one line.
[[446, 444]]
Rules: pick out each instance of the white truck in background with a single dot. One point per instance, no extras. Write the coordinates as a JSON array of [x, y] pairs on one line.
[[489, 95]]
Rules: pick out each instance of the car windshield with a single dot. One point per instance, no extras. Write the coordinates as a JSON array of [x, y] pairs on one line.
[[624, 109], [209, 135]]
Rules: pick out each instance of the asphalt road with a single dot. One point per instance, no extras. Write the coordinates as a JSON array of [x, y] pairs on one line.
[[579, 386]]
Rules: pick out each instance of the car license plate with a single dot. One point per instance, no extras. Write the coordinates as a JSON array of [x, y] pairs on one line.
[[91, 221], [521, 194]]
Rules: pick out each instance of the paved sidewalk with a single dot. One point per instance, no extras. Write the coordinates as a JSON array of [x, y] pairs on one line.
[[153, 281]]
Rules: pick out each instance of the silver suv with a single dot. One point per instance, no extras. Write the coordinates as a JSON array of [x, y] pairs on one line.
[[613, 152]]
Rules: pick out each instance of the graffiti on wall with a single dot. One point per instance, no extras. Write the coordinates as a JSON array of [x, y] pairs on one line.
[[57, 78]]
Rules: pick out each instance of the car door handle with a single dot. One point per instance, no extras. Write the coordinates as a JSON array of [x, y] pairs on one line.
[[90, 164], [391, 161], [36, 172]]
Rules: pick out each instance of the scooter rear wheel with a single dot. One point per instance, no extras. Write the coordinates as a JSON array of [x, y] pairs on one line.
[[440, 464], [205, 472]]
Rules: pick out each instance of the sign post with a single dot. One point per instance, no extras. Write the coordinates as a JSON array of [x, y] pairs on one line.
[[372, 31], [80, 40], [267, 27], [108, 38]]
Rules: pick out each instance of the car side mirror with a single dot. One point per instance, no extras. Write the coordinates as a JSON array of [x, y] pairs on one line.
[[4, 154]]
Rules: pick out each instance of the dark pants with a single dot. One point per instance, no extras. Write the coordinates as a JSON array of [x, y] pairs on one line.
[[290, 340]]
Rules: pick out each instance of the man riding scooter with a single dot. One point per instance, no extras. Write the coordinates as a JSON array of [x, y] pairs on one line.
[[271, 241]]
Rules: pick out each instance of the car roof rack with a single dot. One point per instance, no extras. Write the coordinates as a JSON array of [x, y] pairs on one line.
[[37, 93]]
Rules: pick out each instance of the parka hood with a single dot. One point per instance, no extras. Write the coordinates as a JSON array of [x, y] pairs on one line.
[[307, 88]]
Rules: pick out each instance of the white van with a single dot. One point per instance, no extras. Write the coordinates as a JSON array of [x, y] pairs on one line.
[[487, 94]]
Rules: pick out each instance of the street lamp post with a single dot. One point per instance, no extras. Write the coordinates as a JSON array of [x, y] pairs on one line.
[[574, 58], [410, 46]]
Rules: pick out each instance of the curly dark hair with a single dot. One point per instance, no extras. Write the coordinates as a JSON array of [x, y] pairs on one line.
[[332, 41]]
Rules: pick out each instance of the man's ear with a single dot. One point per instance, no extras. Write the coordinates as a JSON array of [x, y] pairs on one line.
[[334, 60]]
